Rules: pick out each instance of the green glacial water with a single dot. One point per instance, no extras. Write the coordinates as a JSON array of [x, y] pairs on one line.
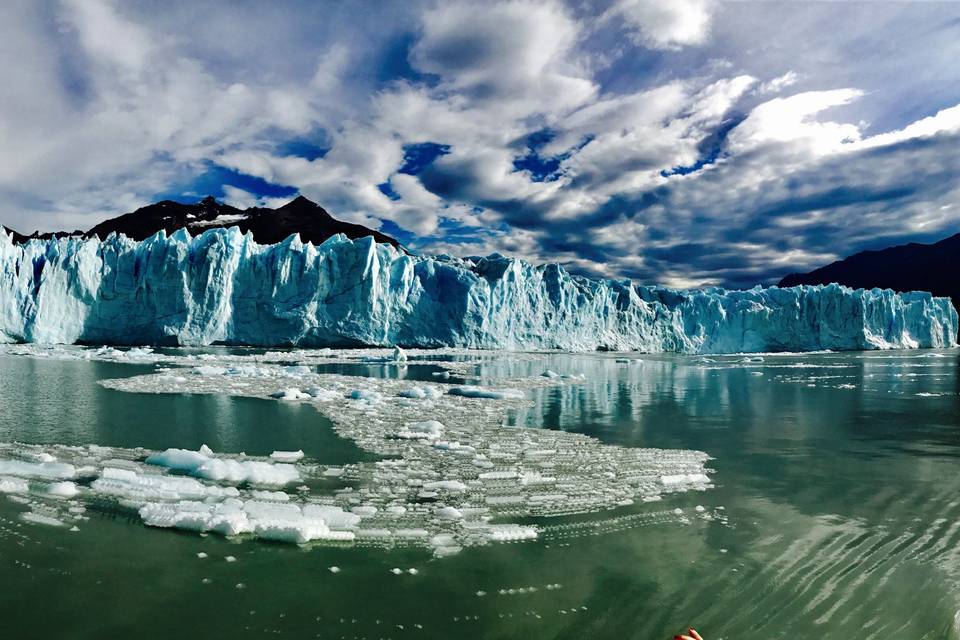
[[838, 477]]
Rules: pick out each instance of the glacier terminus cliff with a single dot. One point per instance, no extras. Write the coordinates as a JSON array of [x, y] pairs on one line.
[[221, 287]]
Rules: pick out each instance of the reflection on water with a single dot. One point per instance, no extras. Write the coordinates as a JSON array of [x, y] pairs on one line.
[[49, 401], [839, 470], [837, 474]]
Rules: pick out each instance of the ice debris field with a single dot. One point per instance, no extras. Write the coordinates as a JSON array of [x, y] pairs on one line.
[[449, 474], [222, 287]]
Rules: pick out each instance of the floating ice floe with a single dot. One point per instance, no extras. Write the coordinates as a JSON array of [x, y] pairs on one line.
[[420, 393], [45, 470], [451, 475], [427, 430], [203, 464], [64, 489], [452, 466], [291, 394], [13, 485], [287, 456], [365, 394], [480, 392]]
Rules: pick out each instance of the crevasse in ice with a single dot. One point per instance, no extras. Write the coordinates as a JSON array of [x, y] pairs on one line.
[[222, 287]]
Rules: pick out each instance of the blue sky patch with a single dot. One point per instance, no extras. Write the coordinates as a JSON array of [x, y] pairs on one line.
[[540, 168], [417, 157], [212, 181]]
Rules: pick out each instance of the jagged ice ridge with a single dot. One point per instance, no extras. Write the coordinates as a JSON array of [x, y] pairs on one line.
[[223, 287]]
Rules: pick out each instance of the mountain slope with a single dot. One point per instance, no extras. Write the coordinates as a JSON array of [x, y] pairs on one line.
[[268, 226], [908, 267]]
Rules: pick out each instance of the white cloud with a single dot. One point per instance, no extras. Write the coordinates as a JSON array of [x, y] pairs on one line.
[[146, 115], [242, 199], [778, 84], [944, 121], [513, 50], [660, 24], [790, 120], [634, 138]]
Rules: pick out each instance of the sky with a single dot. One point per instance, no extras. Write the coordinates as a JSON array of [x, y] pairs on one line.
[[688, 143]]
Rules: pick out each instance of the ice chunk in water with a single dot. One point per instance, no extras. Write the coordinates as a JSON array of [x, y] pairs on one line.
[[420, 393], [480, 392], [448, 513], [275, 496], [39, 470], [209, 370], [64, 489], [39, 518], [129, 484], [365, 394], [287, 456], [204, 465], [453, 486], [179, 459], [196, 516], [428, 429], [684, 478], [335, 517], [291, 394], [13, 485], [322, 395]]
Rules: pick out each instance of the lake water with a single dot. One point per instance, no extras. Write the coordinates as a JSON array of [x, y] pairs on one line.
[[837, 475]]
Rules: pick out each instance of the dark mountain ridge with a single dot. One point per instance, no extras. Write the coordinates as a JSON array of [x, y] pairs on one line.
[[268, 226], [908, 267]]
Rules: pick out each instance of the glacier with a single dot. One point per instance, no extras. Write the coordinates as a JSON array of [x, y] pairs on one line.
[[221, 287]]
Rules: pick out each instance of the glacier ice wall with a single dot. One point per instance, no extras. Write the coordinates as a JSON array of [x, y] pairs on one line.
[[222, 287]]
